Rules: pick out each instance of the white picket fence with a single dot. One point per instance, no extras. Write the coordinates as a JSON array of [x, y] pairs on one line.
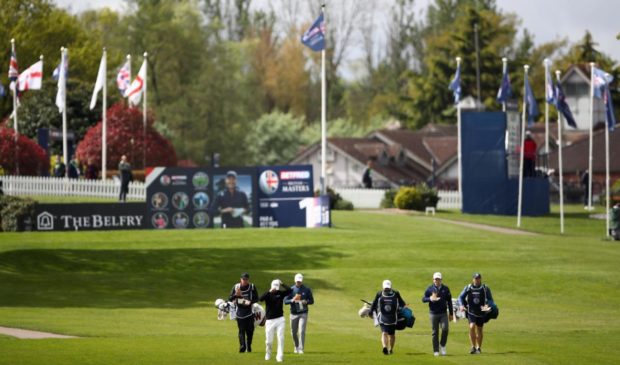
[[54, 186], [371, 198]]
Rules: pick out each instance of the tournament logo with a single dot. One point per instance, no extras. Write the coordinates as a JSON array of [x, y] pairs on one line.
[[180, 200], [180, 220], [200, 200], [268, 182], [45, 222], [159, 201], [201, 220], [159, 220], [200, 180]]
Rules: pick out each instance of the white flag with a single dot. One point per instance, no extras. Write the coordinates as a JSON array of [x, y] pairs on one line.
[[31, 78], [134, 92], [62, 83], [99, 83]]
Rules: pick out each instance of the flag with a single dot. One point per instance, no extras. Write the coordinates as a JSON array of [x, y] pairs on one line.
[[610, 118], [505, 90], [62, 82], [56, 72], [134, 92], [31, 78], [562, 106], [13, 69], [600, 80], [455, 85], [314, 37], [99, 83], [532, 106], [549, 89], [123, 79]]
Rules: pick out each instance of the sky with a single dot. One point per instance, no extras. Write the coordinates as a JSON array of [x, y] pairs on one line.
[[546, 20]]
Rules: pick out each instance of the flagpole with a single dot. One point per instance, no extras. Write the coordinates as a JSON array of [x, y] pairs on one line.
[[458, 127], [104, 117], [504, 71], [547, 63], [129, 70], [15, 125], [520, 203], [591, 128], [144, 114], [607, 97], [63, 59], [323, 116], [560, 170]]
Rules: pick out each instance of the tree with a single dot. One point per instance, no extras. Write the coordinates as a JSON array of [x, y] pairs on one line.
[[274, 139], [32, 158], [125, 137]]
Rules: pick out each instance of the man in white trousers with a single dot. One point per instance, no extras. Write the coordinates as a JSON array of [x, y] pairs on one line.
[[274, 300]]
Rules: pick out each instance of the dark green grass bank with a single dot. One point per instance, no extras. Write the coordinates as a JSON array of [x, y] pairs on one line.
[[146, 297]]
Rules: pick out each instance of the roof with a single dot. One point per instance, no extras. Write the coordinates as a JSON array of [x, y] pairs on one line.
[[576, 156]]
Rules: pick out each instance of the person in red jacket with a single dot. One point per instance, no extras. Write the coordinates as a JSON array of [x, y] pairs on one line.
[[529, 156]]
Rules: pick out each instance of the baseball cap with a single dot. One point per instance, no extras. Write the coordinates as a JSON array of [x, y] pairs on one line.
[[477, 275], [437, 275], [245, 275], [299, 277], [275, 284], [231, 173], [387, 284]]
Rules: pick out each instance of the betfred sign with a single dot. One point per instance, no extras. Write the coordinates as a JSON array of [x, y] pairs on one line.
[[89, 216]]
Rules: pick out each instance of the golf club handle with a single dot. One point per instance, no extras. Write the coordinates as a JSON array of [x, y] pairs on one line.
[[366, 302]]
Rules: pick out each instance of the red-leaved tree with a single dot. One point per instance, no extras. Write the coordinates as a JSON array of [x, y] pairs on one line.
[[125, 137], [32, 158]]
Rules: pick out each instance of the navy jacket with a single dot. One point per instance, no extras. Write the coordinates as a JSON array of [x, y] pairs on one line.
[[443, 304], [306, 294], [474, 298]]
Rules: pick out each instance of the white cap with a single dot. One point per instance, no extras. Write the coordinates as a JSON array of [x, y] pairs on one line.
[[299, 277], [437, 275], [275, 284], [387, 284]]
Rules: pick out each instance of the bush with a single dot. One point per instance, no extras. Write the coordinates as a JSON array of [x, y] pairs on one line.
[[416, 198], [14, 211], [388, 198], [343, 204], [335, 200]]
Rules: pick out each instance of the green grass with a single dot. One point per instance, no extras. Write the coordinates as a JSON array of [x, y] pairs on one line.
[[145, 297]]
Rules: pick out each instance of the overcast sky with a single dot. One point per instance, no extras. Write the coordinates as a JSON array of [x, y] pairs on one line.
[[545, 19]]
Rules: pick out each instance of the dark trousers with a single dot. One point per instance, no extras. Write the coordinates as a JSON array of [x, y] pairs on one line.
[[246, 332], [437, 321], [124, 190], [529, 167]]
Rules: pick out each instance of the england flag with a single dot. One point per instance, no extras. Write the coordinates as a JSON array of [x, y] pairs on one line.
[[123, 78], [31, 79], [134, 92]]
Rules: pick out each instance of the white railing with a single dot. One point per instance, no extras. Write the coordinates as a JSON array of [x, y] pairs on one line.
[[54, 186], [371, 198]]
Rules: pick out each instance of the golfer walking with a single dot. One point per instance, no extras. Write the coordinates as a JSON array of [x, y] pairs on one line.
[[274, 299], [477, 299], [439, 301], [299, 299], [386, 305], [244, 294]]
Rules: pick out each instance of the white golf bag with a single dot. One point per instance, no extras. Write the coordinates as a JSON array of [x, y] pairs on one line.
[[458, 313], [224, 308]]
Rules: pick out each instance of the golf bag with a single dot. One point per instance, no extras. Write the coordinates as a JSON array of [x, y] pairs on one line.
[[224, 307], [492, 314], [259, 315], [458, 314], [405, 318]]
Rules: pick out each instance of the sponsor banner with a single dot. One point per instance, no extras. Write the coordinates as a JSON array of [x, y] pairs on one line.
[[280, 191], [89, 216], [317, 211], [179, 198]]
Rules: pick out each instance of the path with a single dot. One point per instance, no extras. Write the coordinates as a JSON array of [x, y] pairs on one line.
[[27, 334]]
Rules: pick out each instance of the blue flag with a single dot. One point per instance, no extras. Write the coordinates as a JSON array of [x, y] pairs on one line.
[[610, 118], [314, 37], [56, 72], [562, 106], [455, 85], [505, 90], [549, 89], [532, 106], [600, 80]]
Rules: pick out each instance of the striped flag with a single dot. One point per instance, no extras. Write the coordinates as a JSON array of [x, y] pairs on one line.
[[134, 92], [123, 78], [13, 69]]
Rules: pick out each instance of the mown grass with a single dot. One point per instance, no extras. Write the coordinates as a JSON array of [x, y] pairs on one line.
[[145, 297]]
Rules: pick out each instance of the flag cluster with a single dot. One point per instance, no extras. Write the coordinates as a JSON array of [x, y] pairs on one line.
[[601, 81]]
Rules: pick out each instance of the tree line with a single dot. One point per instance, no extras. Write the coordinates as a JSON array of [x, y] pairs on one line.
[[232, 77]]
